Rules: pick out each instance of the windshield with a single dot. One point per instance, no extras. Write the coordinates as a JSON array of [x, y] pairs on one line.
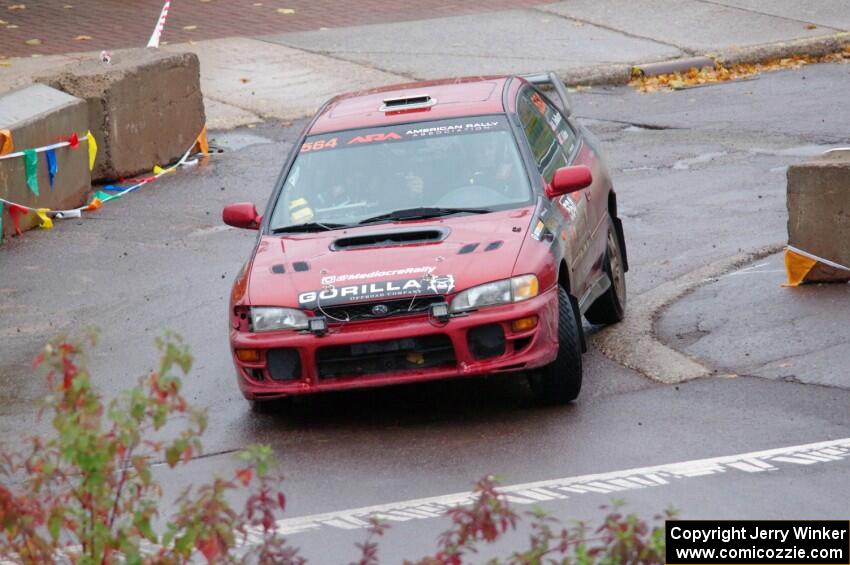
[[425, 169]]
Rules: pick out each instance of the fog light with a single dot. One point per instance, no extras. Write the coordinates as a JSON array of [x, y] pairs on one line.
[[524, 324], [440, 311], [318, 325], [248, 355]]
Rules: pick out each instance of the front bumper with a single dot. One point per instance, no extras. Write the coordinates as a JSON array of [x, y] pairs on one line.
[[319, 365]]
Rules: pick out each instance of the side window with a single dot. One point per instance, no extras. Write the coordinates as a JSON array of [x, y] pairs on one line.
[[549, 135]]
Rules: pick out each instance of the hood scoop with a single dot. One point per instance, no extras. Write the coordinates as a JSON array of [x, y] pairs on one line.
[[394, 238]]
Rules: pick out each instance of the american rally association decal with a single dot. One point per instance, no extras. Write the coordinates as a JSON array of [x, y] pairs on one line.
[[333, 295]]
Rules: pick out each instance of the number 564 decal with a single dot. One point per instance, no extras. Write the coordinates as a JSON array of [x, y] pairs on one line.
[[318, 145]]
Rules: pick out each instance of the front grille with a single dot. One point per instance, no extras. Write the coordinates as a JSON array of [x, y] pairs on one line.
[[396, 355], [364, 310]]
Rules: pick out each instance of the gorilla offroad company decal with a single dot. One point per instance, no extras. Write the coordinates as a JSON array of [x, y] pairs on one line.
[[333, 295]]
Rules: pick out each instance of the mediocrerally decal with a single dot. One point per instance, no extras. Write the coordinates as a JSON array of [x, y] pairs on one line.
[[332, 295]]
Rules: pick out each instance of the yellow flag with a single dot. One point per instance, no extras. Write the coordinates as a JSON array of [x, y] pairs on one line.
[[46, 222], [203, 145], [157, 170], [92, 149]]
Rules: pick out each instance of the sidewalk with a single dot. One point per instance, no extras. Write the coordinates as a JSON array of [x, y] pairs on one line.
[[280, 73]]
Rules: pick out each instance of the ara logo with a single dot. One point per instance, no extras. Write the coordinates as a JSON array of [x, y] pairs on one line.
[[374, 137]]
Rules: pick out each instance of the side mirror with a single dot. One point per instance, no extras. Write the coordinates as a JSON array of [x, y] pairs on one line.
[[569, 179], [242, 215]]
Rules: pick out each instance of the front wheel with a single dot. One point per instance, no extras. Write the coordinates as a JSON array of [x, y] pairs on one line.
[[611, 306], [560, 381]]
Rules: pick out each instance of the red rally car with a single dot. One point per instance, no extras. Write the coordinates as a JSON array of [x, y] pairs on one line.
[[429, 231]]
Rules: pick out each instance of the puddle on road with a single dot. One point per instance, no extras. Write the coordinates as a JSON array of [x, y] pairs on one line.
[[234, 140], [684, 164]]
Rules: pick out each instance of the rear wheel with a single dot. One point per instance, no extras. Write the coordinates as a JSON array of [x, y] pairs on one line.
[[560, 381], [611, 306]]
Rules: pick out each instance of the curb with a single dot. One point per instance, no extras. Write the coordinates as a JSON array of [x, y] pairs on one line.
[[813, 46], [618, 74], [632, 342]]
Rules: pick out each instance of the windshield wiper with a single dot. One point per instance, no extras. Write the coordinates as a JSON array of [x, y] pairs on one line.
[[310, 227], [421, 213]]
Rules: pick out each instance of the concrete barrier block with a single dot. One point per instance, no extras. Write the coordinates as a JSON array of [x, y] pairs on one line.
[[145, 107], [819, 206], [37, 116]]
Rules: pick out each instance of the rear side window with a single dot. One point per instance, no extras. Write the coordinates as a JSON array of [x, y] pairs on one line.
[[550, 137]]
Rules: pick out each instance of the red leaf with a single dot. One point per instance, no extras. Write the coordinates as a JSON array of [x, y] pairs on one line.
[[244, 475], [210, 548]]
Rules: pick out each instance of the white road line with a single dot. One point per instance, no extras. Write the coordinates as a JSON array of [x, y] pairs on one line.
[[553, 489]]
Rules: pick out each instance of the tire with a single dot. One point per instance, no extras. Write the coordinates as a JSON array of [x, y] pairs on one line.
[[611, 306], [560, 381]]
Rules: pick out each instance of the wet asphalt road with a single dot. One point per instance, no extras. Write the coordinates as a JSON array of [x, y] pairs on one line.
[[700, 176]]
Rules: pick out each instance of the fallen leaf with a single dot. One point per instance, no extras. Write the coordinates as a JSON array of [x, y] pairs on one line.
[[285, 11], [5, 63], [33, 42], [722, 73], [16, 7], [67, 6], [244, 80], [811, 26], [2, 23], [82, 38], [12, 26], [190, 28]]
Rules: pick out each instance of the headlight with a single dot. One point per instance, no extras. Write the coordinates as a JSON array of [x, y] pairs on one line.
[[498, 292], [267, 318]]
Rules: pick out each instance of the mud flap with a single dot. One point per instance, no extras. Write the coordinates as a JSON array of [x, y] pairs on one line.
[[621, 237]]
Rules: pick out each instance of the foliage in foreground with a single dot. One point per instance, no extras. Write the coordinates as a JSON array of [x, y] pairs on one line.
[[87, 494]]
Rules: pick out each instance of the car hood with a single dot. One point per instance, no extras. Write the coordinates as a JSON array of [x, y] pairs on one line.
[[393, 260]]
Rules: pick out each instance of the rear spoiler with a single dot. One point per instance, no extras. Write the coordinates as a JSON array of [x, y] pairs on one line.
[[553, 87]]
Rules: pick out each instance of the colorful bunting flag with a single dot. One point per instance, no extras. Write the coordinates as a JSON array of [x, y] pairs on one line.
[[46, 222], [803, 267], [98, 198], [16, 211], [103, 197], [203, 145], [51, 165], [92, 149], [6, 145], [93, 205], [31, 167]]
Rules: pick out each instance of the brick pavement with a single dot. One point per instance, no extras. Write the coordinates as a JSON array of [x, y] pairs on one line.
[[111, 24]]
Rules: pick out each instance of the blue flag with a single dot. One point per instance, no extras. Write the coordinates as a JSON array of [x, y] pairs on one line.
[[51, 165]]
